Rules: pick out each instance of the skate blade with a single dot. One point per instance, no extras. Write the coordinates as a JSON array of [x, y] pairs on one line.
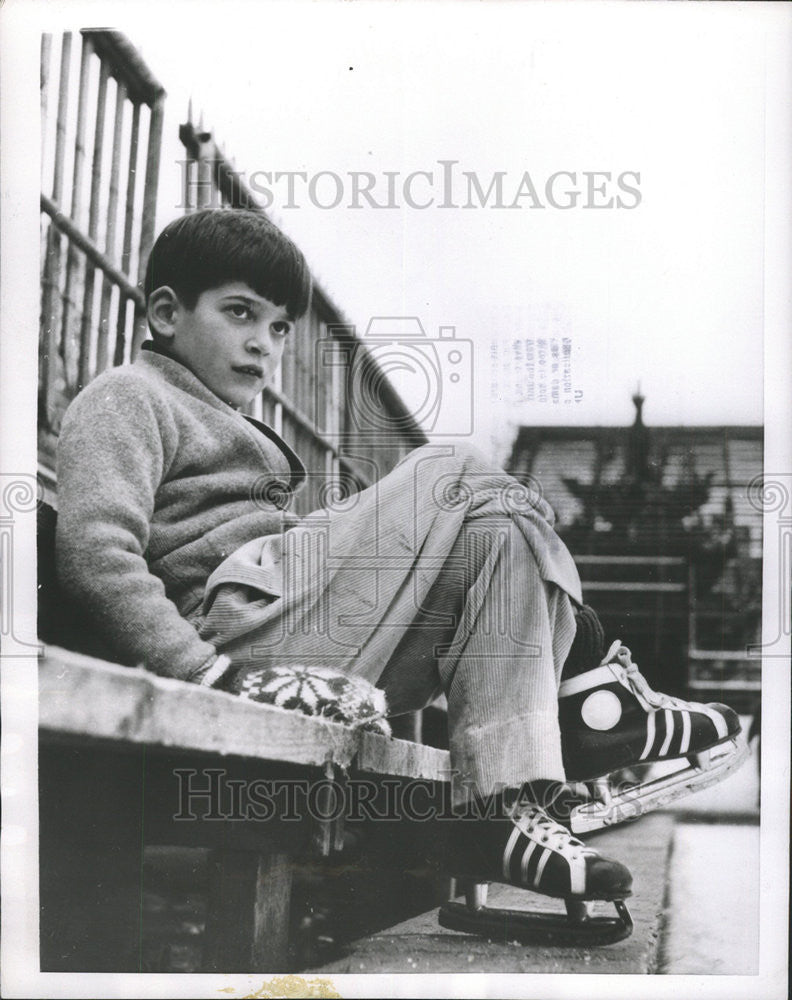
[[641, 799], [576, 929]]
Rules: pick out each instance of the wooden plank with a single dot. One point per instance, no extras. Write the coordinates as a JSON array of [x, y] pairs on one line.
[[82, 696], [69, 338], [63, 111], [86, 697], [128, 66], [50, 306], [86, 322], [380, 755], [249, 897], [147, 222], [129, 222], [46, 56], [102, 347]]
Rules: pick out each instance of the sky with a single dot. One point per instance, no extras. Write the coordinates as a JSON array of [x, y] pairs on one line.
[[666, 291]]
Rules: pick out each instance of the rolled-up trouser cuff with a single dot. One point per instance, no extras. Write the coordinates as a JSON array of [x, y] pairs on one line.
[[505, 754]]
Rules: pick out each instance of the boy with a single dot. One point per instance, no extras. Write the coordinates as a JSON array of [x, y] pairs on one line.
[[446, 575]]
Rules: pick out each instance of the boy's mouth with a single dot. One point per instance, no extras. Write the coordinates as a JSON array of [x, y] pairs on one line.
[[253, 370]]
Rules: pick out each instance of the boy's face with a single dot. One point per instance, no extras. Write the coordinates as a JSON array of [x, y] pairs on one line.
[[232, 340]]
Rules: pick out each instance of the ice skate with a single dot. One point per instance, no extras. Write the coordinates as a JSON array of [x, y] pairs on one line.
[[612, 720], [529, 849]]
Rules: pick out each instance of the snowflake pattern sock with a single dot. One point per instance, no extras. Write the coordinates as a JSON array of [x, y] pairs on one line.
[[319, 691]]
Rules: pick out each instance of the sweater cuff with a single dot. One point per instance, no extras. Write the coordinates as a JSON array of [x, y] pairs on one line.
[[212, 672]]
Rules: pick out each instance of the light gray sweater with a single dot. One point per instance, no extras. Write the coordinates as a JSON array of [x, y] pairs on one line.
[[158, 482]]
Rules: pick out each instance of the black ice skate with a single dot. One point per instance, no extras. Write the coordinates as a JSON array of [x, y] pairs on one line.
[[528, 849], [611, 719]]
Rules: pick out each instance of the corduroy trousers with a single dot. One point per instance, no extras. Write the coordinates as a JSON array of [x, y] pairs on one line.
[[445, 575]]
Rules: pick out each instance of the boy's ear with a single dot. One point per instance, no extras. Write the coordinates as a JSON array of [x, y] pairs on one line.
[[162, 309]]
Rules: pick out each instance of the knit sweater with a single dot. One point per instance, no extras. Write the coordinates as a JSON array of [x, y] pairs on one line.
[[158, 482]]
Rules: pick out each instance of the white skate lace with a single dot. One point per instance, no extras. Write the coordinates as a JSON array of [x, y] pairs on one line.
[[619, 654], [536, 824]]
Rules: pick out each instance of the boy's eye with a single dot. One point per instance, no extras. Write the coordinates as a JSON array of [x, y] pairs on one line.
[[281, 327], [240, 311]]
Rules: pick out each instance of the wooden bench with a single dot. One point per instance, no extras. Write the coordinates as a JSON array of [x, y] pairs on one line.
[[117, 749]]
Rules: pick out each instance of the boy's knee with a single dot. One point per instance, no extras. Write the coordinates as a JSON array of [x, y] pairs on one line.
[[456, 457], [470, 457]]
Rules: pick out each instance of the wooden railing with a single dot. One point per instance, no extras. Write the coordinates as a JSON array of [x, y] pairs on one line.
[[102, 116], [96, 215], [726, 675]]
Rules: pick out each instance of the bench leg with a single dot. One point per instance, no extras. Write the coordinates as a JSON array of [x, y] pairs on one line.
[[248, 925], [407, 726], [90, 908], [90, 862]]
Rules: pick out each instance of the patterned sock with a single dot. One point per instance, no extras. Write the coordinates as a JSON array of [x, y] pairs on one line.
[[319, 691], [588, 646]]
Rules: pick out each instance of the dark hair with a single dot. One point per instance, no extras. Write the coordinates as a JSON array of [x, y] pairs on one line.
[[206, 249]]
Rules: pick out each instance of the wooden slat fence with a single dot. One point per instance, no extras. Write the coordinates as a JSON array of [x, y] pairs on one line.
[[101, 136], [102, 119]]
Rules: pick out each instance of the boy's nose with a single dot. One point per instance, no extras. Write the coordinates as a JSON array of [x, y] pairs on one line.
[[259, 343]]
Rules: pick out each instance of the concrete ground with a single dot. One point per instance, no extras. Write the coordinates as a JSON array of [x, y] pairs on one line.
[[695, 867], [713, 913], [713, 916]]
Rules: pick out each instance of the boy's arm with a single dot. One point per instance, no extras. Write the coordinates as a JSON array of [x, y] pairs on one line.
[[112, 456]]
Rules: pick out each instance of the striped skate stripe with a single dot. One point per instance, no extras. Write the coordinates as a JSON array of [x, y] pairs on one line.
[[511, 843], [670, 720], [541, 866], [521, 859], [650, 735], [685, 742], [668, 732], [721, 728], [524, 861]]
